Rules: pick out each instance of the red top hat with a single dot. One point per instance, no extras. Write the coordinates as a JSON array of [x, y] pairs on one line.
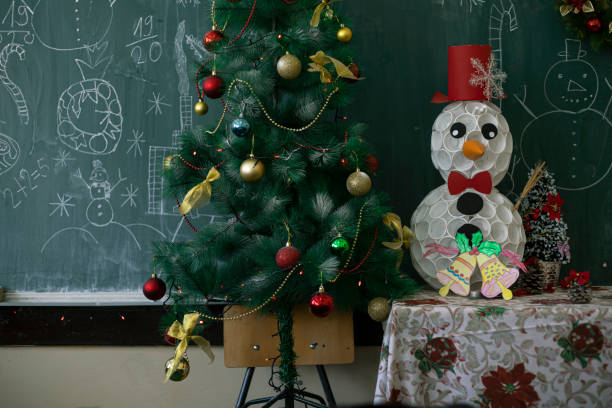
[[465, 81]]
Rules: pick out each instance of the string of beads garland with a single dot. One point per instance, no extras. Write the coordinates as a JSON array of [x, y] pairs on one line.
[[352, 251], [260, 306], [265, 111]]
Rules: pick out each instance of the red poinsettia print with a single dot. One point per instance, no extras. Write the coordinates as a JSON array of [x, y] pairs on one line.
[[577, 4], [553, 206], [512, 389]]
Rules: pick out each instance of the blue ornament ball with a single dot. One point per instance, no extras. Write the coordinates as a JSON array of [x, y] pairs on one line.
[[240, 127]]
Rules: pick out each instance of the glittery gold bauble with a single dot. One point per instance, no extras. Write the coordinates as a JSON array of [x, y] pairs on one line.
[[289, 66], [379, 309], [252, 170], [182, 369], [358, 183], [344, 34], [201, 107], [168, 162]]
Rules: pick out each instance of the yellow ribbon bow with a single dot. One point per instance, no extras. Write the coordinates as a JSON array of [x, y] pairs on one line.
[[316, 16], [319, 60], [404, 235], [587, 7], [182, 332], [199, 195]]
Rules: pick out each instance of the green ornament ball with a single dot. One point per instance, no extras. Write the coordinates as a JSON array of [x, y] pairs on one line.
[[339, 246]]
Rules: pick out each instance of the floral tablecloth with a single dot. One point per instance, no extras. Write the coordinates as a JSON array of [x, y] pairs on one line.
[[539, 351]]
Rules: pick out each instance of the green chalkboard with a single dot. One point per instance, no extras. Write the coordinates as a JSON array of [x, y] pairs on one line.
[[94, 95]]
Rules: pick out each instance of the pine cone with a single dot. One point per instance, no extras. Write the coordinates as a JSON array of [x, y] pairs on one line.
[[533, 281], [580, 293]]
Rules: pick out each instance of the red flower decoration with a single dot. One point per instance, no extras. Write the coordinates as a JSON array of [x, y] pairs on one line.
[[575, 278], [553, 206], [577, 4], [510, 389]]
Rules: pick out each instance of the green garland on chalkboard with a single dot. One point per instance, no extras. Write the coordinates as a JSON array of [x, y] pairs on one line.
[[591, 19]]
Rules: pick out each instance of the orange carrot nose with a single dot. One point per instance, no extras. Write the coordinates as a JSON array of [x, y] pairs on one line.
[[473, 149]]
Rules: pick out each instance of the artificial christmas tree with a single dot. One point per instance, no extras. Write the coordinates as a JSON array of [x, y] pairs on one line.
[[304, 225]]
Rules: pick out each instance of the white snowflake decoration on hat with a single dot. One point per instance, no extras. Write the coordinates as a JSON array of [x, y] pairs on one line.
[[488, 77]]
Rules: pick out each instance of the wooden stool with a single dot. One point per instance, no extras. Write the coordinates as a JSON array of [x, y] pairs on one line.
[[252, 342]]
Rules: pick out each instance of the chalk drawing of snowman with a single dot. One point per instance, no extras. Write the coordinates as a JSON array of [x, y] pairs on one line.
[[574, 139], [99, 212]]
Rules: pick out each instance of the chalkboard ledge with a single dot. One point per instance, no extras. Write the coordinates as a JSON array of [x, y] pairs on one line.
[[77, 299]]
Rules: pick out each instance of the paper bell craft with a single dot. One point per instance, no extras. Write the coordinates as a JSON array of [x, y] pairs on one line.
[[472, 75]]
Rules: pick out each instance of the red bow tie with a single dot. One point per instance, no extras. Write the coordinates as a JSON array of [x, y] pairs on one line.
[[481, 182]]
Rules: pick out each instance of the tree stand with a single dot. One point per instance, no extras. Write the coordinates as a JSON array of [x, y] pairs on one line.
[[289, 395], [255, 340]]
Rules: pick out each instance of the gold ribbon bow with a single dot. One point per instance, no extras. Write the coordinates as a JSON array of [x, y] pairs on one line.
[[319, 60], [610, 28], [404, 235], [587, 7], [316, 16], [182, 332], [199, 195]]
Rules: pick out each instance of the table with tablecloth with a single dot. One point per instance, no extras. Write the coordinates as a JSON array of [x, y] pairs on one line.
[[540, 351]]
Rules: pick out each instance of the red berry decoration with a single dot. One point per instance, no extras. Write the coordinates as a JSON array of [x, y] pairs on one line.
[[213, 39], [287, 256], [154, 288], [354, 68], [213, 86], [593, 25], [371, 162], [321, 304]]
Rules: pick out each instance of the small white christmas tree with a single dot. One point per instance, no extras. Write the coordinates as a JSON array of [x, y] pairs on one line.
[[545, 229]]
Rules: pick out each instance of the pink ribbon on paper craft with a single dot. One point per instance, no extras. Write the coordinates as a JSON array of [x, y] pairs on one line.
[[515, 259], [440, 249], [564, 250]]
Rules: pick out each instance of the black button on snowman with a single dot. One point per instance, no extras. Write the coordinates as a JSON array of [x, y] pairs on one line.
[[466, 224]]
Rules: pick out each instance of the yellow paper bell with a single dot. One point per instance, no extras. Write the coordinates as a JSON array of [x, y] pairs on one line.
[[182, 332], [199, 195], [319, 60]]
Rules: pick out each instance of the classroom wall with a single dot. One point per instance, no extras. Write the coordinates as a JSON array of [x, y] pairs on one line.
[[101, 377]]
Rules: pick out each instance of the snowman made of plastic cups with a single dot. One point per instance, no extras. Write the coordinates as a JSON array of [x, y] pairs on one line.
[[467, 224]]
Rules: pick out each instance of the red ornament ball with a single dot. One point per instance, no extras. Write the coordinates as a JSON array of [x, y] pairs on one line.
[[287, 256], [154, 288], [321, 304], [371, 162], [593, 25], [170, 340], [354, 68], [213, 86], [212, 39]]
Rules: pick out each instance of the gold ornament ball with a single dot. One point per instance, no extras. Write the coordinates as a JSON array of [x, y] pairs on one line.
[[182, 369], [344, 34], [289, 66], [379, 308], [358, 183], [201, 107], [252, 170]]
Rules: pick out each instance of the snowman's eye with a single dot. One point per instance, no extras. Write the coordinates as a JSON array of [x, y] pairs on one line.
[[489, 131], [560, 76], [457, 130]]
